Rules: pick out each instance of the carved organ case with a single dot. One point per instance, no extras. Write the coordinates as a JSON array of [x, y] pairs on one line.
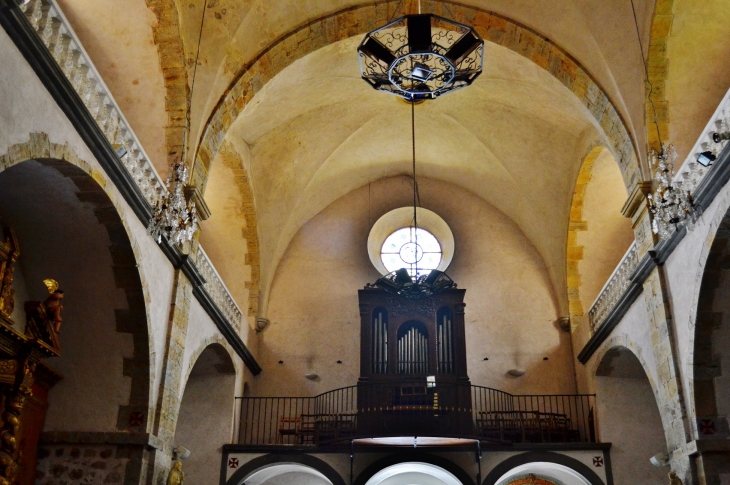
[[413, 363]]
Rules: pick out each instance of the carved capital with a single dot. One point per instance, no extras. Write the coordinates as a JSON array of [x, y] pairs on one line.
[[192, 193], [637, 203]]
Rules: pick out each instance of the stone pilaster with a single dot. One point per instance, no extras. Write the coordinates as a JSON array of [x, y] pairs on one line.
[[169, 397], [670, 400]]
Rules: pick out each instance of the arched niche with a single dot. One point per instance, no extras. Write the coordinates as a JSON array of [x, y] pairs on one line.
[[69, 230], [206, 416], [629, 418]]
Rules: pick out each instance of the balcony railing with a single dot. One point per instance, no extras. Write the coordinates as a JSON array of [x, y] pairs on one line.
[[390, 410], [614, 289]]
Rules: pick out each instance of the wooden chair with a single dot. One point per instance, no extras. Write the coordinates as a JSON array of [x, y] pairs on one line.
[[288, 426]]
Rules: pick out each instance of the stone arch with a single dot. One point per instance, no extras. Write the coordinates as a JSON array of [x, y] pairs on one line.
[[213, 340], [69, 217], [206, 415], [93, 188], [361, 19], [578, 224], [166, 33], [629, 413], [624, 341], [236, 175], [661, 27]]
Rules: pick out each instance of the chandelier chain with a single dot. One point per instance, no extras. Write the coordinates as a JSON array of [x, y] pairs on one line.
[[415, 185], [646, 71], [192, 84]]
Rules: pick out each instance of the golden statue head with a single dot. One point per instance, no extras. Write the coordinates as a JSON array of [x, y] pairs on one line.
[[52, 285]]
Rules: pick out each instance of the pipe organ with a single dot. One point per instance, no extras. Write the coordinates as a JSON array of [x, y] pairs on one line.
[[413, 363], [412, 349]]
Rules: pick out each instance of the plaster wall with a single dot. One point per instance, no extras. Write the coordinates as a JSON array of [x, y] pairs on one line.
[[129, 64], [510, 314], [697, 73], [26, 107]]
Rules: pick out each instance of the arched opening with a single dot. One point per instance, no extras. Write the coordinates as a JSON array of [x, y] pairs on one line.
[[69, 230], [206, 414], [629, 418], [413, 472], [711, 379], [542, 473], [598, 235], [287, 473]]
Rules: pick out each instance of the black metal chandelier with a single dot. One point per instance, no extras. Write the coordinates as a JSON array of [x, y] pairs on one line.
[[421, 57]]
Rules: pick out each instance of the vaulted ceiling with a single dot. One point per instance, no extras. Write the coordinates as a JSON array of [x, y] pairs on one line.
[[315, 131]]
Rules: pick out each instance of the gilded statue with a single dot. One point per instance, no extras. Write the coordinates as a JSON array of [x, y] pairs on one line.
[[43, 320], [674, 479], [176, 475], [7, 301], [9, 253], [53, 304]]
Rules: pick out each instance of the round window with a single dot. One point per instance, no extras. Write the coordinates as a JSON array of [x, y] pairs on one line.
[[394, 244], [416, 250]]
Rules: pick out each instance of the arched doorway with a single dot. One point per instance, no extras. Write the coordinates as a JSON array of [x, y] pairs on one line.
[[69, 230], [413, 472], [629, 418], [206, 414]]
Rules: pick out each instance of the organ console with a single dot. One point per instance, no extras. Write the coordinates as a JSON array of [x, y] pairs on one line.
[[413, 373]]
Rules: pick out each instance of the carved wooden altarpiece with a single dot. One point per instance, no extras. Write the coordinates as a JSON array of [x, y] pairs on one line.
[[24, 379]]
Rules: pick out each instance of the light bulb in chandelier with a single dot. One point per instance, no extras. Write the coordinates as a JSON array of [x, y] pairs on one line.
[[672, 205], [173, 216]]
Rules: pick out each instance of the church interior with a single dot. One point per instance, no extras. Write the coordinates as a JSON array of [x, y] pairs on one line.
[[364, 242]]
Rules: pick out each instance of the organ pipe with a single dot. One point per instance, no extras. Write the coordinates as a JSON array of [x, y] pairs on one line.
[[413, 352]]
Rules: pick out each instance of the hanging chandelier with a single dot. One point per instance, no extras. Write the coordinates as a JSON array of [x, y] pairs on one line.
[[421, 57], [173, 216], [671, 204]]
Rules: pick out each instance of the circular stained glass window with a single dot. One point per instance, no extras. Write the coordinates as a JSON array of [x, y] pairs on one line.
[[417, 250]]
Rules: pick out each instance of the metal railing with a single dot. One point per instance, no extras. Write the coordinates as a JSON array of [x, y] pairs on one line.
[[413, 409]]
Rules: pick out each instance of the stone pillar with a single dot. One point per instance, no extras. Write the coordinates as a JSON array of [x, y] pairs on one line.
[[169, 397], [668, 384]]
